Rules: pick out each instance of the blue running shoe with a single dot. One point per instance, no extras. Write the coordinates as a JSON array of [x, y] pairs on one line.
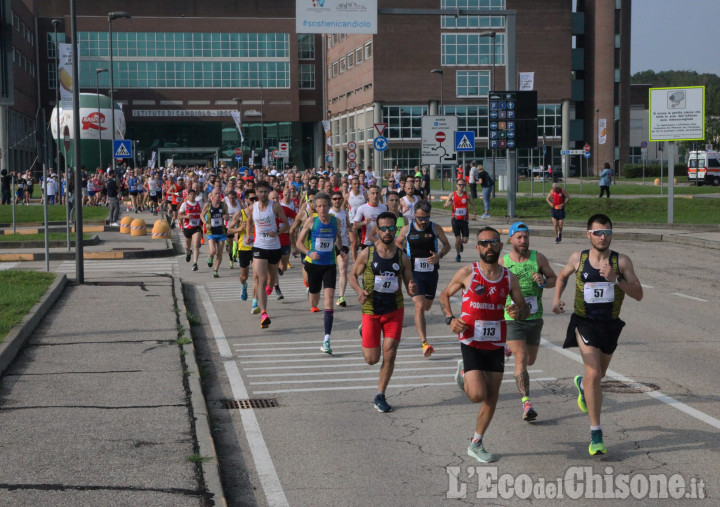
[[381, 404], [243, 294]]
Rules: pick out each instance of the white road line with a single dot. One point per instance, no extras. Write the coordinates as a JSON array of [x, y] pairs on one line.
[[4, 266], [220, 340], [646, 286], [314, 347], [263, 462], [689, 297], [374, 386], [271, 357], [285, 375], [682, 407], [354, 340], [335, 364], [326, 358]]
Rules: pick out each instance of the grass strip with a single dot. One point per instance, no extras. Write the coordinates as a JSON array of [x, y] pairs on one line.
[[20, 291]]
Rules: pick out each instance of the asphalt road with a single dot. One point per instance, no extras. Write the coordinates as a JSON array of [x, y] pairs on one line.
[[325, 443]]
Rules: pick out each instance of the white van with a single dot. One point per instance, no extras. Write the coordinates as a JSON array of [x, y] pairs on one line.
[[704, 167]]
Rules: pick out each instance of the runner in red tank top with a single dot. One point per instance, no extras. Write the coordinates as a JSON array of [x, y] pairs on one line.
[[460, 201], [557, 199], [481, 329]]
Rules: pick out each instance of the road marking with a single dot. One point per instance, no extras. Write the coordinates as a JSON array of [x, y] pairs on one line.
[[263, 462], [646, 286], [682, 407], [689, 297], [285, 375], [374, 386], [271, 357], [353, 340], [336, 364], [220, 340], [8, 265]]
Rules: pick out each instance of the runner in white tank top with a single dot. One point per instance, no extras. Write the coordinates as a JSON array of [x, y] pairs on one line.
[[264, 223], [355, 198]]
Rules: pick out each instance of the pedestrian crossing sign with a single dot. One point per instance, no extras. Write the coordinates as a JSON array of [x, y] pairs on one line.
[[465, 140], [122, 148]]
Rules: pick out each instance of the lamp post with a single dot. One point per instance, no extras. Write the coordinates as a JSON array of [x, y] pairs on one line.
[[111, 16], [442, 107], [97, 91], [492, 83], [56, 22]]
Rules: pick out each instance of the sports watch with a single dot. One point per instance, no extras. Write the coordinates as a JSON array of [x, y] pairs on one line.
[[449, 319]]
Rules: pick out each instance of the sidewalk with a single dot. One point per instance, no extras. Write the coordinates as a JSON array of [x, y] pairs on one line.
[[103, 406]]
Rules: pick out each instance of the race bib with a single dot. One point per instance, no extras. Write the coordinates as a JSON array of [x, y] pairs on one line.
[[194, 222], [387, 284], [487, 331], [599, 292], [153, 193], [133, 188], [323, 244], [460, 212], [216, 222], [532, 302], [423, 266]]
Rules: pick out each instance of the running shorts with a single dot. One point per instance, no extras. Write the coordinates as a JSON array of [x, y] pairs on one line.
[[272, 256], [601, 334], [320, 275], [190, 231], [389, 324], [558, 214], [526, 330], [483, 360], [426, 283], [245, 258], [460, 228]]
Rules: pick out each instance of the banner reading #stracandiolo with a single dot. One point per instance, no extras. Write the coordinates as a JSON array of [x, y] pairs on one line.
[[336, 16]]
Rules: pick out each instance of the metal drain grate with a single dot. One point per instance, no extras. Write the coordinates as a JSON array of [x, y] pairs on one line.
[[619, 386], [251, 403]]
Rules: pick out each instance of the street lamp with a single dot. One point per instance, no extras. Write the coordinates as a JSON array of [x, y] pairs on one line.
[[111, 16], [97, 91], [56, 22], [440, 71]]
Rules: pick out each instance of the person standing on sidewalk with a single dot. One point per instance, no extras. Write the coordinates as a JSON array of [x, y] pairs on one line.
[[605, 180], [383, 267], [460, 202], [482, 329], [534, 274], [419, 240], [486, 183], [557, 199], [474, 176], [113, 201], [602, 278]]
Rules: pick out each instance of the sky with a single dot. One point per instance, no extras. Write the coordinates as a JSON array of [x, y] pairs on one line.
[[675, 35]]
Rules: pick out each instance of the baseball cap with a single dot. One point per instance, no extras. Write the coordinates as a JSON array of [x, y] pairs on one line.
[[517, 226]]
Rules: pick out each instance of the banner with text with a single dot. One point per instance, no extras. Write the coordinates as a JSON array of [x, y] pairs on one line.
[[65, 75], [336, 16]]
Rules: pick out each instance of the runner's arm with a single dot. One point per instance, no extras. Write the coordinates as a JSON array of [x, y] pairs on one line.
[[300, 242], [280, 213], [458, 282], [630, 284], [519, 309], [545, 271], [357, 270], [448, 201], [400, 239], [561, 282], [443, 239], [410, 286]]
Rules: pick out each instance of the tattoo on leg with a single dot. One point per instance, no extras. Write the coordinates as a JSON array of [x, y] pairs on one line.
[[523, 383]]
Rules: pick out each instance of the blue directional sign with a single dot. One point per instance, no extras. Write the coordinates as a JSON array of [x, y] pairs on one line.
[[586, 154], [122, 148], [465, 140], [238, 158], [380, 143]]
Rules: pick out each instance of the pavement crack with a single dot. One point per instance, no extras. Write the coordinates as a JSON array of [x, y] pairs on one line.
[[123, 407], [78, 487], [71, 373]]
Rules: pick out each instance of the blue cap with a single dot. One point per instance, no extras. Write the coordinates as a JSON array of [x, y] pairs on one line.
[[517, 226]]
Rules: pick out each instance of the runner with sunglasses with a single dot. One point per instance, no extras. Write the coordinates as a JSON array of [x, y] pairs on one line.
[[460, 202], [344, 224], [243, 247], [602, 278]]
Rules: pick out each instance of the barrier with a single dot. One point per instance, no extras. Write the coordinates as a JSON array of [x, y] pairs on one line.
[[161, 229], [125, 225], [137, 227]]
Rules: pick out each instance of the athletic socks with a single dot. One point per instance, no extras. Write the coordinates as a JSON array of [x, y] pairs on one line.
[[477, 437], [329, 314], [327, 338]]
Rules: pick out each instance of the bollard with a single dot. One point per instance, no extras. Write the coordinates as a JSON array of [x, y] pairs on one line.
[[137, 227], [125, 225], [161, 229]]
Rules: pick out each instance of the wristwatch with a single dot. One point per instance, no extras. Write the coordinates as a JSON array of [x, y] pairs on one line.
[[449, 319], [619, 279]]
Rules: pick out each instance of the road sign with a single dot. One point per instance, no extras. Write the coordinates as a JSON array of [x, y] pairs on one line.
[[465, 140], [352, 165], [380, 127], [122, 148], [276, 154], [352, 146], [380, 143], [586, 154], [437, 146], [677, 114], [283, 148], [572, 152], [586, 148], [238, 158], [238, 151], [708, 147], [351, 155], [644, 144]]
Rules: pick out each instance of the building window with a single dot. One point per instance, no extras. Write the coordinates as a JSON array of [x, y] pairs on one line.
[[404, 122], [52, 76], [472, 49], [51, 45], [342, 65], [306, 46], [350, 59], [368, 50], [334, 69], [334, 39], [358, 55], [549, 120], [472, 83], [307, 76], [474, 22]]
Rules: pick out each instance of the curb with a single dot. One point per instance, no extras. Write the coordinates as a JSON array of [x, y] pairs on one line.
[[19, 334], [168, 251], [19, 245], [206, 444]]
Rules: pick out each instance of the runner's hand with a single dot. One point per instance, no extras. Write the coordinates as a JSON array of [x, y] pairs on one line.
[[314, 255], [434, 258], [559, 307], [458, 326], [362, 297], [412, 288], [512, 310], [538, 278]]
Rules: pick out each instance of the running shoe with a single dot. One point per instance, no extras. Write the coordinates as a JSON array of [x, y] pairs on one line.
[[325, 347], [560, 237], [195, 268], [232, 266], [462, 248], [188, 255], [477, 451], [280, 272], [581, 393], [360, 330], [341, 301], [279, 293], [458, 258], [381, 404], [268, 290], [255, 308], [459, 380], [314, 309], [265, 320], [216, 274], [243, 294], [529, 413], [427, 349], [289, 265], [597, 446], [210, 262]]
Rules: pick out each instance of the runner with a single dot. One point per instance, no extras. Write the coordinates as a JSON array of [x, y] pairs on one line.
[[602, 278], [534, 273], [354, 198], [233, 206], [557, 199], [285, 245], [215, 216], [243, 247], [460, 200], [393, 206], [319, 240], [344, 224], [266, 244], [419, 239], [366, 215], [481, 329], [190, 212], [407, 203], [153, 193], [383, 266]]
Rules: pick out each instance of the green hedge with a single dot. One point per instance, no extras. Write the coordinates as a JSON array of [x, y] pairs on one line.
[[651, 170]]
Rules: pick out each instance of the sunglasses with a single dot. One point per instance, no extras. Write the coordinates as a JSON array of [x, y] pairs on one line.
[[599, 232], [385, 228], [252, 199], [488, 242], [421, 219], [391, 181], [461, 185]]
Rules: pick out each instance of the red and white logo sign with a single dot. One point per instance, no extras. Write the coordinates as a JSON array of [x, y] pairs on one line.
[[238, 151], [93, 121], [440, 137], [352, 145], [276, 153], [380, 127], [351, 155], [283, 147], [586, 147]]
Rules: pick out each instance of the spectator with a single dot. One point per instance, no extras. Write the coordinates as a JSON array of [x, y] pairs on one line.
[[605, 179]]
